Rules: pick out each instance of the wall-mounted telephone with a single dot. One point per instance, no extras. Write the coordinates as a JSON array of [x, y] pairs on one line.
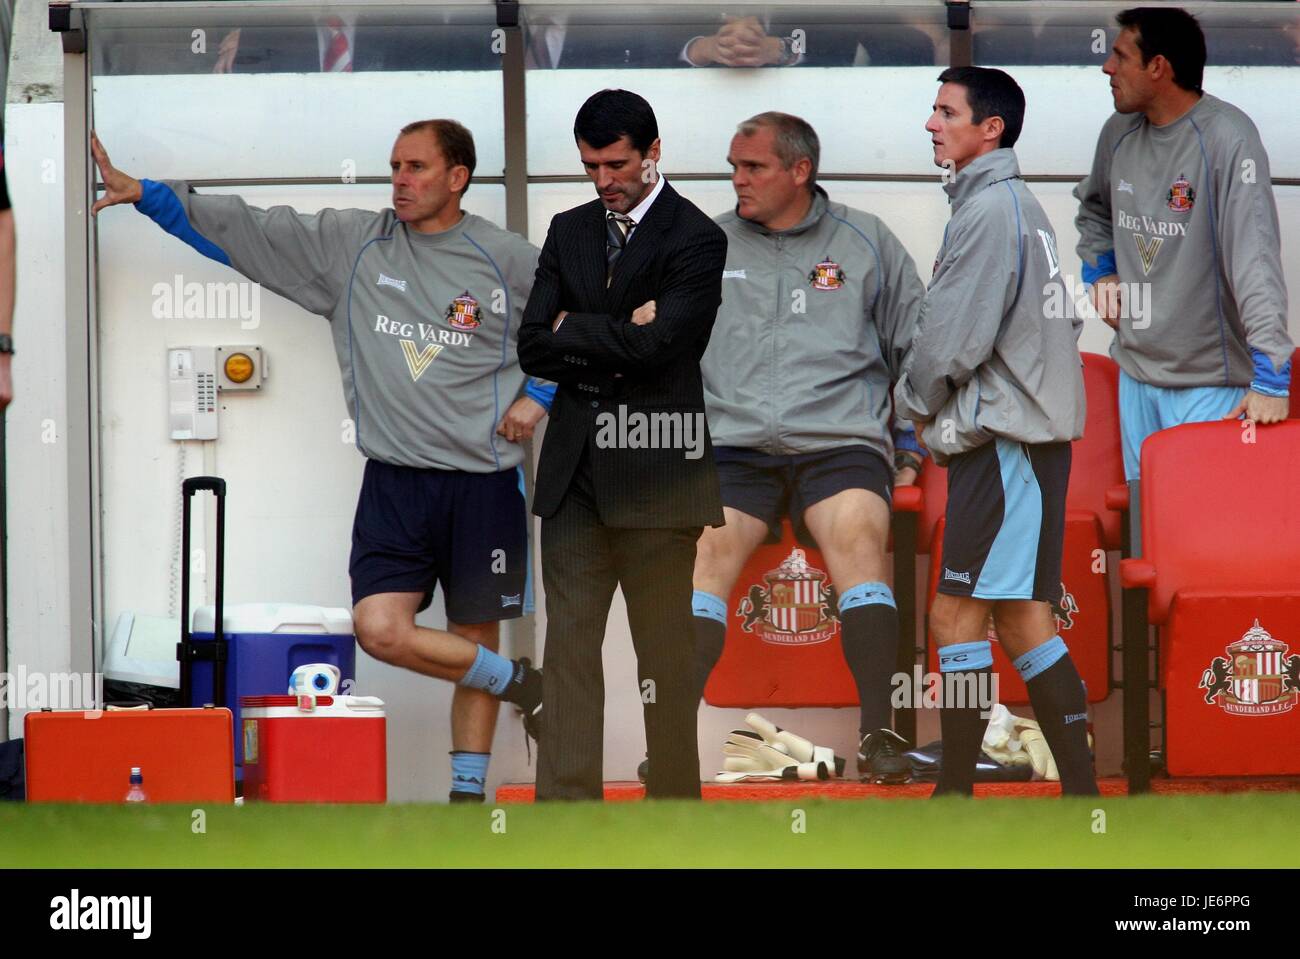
[[192, 393]]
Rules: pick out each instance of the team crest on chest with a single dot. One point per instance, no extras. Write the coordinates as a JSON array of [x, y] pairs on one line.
[[462, 313], [826, 275], [1181, 196]]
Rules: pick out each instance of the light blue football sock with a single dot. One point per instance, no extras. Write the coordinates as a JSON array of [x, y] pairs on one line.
[[469, 771], [490, 672], [1040, 658]]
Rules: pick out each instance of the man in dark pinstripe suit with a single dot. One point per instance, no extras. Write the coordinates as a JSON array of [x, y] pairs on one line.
[[625, 296]]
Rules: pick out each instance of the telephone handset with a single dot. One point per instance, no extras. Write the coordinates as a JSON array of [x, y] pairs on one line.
[[192, 393]]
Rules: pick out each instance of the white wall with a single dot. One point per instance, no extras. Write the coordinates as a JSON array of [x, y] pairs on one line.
[[36, 484]]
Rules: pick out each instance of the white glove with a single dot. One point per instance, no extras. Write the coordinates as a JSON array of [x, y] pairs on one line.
[[748, 758], [1001, 740], [1016, 741], [795, 746]]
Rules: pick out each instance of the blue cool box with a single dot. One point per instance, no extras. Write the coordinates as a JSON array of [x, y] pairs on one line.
[[266, 643]]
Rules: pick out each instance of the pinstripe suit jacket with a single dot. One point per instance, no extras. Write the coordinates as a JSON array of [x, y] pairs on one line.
[[605, 364]]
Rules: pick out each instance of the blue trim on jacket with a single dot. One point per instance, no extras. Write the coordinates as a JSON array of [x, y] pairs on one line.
[[160, 204]]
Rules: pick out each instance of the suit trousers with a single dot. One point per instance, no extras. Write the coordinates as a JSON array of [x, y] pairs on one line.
[[582, 562]]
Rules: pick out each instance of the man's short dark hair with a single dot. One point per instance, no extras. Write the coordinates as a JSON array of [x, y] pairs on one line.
[[455, 143], [1172, 33], [610, 115], [991, 93]]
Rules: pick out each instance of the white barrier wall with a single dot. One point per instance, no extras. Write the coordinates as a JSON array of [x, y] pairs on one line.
[[36, 438]]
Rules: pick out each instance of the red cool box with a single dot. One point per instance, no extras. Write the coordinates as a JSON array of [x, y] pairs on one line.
[[314, 749]]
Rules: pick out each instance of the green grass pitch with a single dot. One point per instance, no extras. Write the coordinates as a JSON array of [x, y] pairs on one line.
[[1143, 832]]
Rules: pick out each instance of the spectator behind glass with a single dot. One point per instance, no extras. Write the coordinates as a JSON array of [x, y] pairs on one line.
[[751, 41], [347, 44]]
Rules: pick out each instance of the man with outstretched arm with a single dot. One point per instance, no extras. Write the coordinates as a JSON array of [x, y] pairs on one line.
[[424, 302]]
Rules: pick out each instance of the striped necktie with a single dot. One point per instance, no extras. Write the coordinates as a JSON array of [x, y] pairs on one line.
[[618, 226], [338, 58]]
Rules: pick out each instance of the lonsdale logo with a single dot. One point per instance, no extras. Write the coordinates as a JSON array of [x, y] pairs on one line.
[[417, 363]]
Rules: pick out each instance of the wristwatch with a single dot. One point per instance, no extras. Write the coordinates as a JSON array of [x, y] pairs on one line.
[[6, 343], [905, 458]]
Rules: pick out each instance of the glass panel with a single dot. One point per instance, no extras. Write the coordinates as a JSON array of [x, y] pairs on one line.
[[274, 112], [295, 40], [810, 58], [657, 36]]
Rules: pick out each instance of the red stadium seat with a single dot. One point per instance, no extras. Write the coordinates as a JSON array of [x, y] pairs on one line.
[[1097, 462], [783, 634], [1220, 559], [933, 484]]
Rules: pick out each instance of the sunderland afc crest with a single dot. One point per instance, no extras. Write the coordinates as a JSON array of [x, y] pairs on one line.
[[462, 314], [1256, 677], [1181, 196], [826, 275], [793, 607]]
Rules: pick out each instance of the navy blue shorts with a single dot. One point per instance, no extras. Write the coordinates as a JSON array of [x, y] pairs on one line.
[[769, 487], [416, 528], [1005, 524]]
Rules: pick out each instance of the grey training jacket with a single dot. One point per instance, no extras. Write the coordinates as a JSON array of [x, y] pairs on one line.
[[996, 350], [424, 325], [1188, 209], [814, 324]]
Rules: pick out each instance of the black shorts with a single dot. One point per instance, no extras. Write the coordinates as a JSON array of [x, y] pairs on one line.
[[416, 528], [1005, 524], [769, 487]]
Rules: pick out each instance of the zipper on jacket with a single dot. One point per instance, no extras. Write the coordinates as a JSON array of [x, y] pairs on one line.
[[773, 375]]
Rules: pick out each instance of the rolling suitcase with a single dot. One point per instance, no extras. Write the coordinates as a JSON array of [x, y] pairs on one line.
[[185, 755]]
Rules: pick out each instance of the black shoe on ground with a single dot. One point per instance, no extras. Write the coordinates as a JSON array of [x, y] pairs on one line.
[[643, 770], [454, 797], [881, 759]]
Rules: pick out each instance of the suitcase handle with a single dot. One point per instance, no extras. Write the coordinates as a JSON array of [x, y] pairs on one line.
[[212, 484], [187, 651]]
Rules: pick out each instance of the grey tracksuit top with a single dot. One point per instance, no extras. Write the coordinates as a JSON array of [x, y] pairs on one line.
[[995, 351], [424, 325], [814, 324], [1188, 209]]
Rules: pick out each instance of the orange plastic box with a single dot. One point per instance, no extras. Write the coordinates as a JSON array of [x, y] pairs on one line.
[[184, 755]]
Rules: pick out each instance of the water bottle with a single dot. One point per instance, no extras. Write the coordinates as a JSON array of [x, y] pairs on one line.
[[136, 792]]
